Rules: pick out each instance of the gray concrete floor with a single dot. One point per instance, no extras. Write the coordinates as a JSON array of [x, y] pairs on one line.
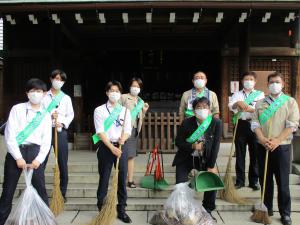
[[142, 218]]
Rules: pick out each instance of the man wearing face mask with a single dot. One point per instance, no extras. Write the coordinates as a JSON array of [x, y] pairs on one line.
[[137, 108], [109, 120], [62, 113], [28, 140], [242, 103], [198, 141], [275, 119], [199, 90]]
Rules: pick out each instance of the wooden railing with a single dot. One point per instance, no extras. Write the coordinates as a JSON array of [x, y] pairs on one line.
[[159, 129]]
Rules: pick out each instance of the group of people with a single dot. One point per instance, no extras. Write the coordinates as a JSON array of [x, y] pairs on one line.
[[29, 136], [264, 123]]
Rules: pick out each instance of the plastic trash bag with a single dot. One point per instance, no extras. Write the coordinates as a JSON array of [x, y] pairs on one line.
[[182, 209], [30, 209]]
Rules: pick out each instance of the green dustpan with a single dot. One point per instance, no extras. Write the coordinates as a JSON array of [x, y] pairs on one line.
[[149, 183], [206, 181]]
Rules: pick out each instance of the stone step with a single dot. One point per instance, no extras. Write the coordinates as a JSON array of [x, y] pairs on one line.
[[90, 190], [140, 166], [93, 178], [89, 204]]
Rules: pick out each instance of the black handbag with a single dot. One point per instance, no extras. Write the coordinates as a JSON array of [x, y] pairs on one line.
[[2, 128]]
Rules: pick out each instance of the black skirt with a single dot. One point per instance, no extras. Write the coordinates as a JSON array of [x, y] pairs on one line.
[[131, 144]]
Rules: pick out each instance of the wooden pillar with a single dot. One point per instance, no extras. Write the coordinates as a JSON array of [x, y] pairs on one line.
[[1, 93], [244, 47], [225, 80], [296, 63]]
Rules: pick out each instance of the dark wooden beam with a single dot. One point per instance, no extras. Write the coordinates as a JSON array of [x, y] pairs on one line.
[[263, 51], [244, 47], [149, 5], [71, 36]]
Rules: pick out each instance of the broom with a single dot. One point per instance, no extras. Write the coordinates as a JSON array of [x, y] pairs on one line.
[[260, 214], [57, 202], [229, 193], [108, 213]]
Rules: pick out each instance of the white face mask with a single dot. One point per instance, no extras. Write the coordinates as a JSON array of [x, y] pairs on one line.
[[57, 84], [135, 91], [202, 114], [114, 96], [249, 84], [199, 83], [35, 97], [275, 88]]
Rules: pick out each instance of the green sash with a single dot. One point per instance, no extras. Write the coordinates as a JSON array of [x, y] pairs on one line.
[[248, 101], [189, 112], [108, 122], [55, 101], [200, 130], [36, 121], [137, 109], [273, 107]]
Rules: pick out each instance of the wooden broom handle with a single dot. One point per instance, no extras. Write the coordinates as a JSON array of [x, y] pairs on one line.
[[55, 139], [266, 164]]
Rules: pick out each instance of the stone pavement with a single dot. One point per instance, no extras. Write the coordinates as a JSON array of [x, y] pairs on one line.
[[142, 218]]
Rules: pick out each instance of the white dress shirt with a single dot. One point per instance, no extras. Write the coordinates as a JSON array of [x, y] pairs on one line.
[[20, 116], [241, 96], [65, 109], [114, 132]]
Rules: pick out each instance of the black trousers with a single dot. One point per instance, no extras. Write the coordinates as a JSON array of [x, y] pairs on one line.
[[182, 172], [105, 162], [63, 155], [11, 177], [244, 137], [278, 165]]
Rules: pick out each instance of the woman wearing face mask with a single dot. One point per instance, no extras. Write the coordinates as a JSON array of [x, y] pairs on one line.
[[109, 119], [199, 90], [29, 149], [63, 113], [198, 142], [275, 118], [242, 103], [138, 109]]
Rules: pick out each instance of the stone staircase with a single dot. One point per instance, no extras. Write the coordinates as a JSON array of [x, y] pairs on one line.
[[83, 181]]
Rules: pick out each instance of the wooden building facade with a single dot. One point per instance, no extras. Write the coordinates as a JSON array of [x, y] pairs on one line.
[[163, 42]]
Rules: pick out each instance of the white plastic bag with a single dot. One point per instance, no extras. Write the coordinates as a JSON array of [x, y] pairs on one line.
[[182, 209], [30, 209]]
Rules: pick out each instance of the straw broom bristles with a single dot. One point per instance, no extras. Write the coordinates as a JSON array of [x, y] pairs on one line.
[[229, 193], [108, 213], [261, 217], [57, 202]]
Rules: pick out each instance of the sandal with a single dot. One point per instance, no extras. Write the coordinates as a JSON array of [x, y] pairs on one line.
[[131, 184]]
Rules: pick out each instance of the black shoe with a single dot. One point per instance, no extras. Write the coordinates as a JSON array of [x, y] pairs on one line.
[[131, 184], [124, 218], [286, 220], [270, 212], [213, 217], [239, 186], [255, 187]]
